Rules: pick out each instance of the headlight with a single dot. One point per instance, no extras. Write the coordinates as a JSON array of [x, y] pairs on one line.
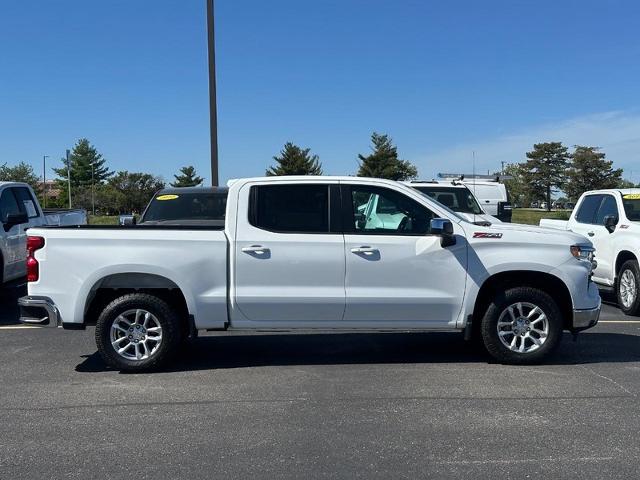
[[583, 252]]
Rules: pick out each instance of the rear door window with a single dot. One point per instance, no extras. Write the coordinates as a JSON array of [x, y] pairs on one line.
[[588, 208], [290, 208]]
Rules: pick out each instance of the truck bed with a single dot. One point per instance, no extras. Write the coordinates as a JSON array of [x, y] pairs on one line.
[[78, 260]]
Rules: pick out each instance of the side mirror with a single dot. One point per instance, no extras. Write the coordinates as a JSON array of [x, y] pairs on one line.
[[444, 228], [15, 219], [610, 222]]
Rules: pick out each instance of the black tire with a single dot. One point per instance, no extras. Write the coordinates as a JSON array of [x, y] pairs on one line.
[[632, 308], [166, 317], [512, 296]]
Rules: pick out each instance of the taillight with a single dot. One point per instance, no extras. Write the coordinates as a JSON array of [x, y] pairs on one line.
[[33, 270]]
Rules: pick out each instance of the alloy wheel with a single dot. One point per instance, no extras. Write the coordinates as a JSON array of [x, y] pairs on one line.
[[136, 334], [523, 327]]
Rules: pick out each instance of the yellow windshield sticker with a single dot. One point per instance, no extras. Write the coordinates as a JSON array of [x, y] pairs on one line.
[[632, 196], [167, 197]]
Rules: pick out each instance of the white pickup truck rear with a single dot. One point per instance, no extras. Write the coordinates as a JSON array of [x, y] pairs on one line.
[[20, 210], [299, 253], [610, 220]]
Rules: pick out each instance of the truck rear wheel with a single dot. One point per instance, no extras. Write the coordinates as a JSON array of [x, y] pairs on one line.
[[137, 332], [627, 288], [521, 326]]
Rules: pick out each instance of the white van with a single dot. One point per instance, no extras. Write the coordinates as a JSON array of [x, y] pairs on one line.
[[456, 196], [491, 194]]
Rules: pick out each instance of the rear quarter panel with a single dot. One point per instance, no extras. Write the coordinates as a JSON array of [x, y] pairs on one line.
[[74, 261]]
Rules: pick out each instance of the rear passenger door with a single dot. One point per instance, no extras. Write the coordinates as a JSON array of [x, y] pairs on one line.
[[289, 254]]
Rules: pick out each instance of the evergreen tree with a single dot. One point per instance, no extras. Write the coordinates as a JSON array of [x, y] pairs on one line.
[[545, 169], [590, 171], [294, 160], [384, 161], [22, 172], [187, 177], [87, 166]]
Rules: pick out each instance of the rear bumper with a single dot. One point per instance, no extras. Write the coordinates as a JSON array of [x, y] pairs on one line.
[[583, 319], [39, 311]]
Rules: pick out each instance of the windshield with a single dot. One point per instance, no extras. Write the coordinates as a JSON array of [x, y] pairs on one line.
[[456, 199], [631, 204], [187, 206]]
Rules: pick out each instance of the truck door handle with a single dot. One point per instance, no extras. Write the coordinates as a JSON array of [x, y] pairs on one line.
[[366, 250], [591, 234], [257, 249]]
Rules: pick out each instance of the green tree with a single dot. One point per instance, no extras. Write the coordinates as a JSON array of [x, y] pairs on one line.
[[294, 160], [22, 172], [86, 164], [383, 162], [517, 187], [187, 177], [135, 189], [590, 171], [624, 183], [546, 169]]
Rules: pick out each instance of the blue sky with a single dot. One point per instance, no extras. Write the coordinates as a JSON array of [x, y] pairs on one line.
[[442, 78]]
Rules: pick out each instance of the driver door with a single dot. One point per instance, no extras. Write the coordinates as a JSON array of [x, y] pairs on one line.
[[397, 273]]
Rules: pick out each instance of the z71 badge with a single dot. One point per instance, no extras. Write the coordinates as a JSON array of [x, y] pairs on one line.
[[487, 235]]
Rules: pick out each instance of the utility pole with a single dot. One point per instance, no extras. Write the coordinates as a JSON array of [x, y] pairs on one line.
[[502, 171], [69, 176], [213, 112], [44, 179]]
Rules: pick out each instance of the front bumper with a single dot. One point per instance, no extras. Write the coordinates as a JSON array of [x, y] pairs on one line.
[[583, 319], [39, 311]]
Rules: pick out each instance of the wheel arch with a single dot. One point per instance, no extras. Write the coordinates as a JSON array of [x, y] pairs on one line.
[[115, 285], [547, 282], [623, 256]]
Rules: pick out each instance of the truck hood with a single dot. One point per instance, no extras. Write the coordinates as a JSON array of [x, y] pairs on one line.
[[532, 233], [476, 218]]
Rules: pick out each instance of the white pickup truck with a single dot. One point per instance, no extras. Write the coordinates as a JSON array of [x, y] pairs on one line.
[[611, 220], [297, 253], [20, 210]]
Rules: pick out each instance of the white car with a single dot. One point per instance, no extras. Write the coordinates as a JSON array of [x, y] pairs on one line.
[[456, 196], [295, 253], [610, 219], [20, 210]]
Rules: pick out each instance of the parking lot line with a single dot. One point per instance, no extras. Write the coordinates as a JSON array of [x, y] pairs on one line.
[[619, 321], [16, 327]]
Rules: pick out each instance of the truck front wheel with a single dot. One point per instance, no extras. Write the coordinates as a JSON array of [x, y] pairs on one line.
[[521, 326], [137, 332], [628, 287]]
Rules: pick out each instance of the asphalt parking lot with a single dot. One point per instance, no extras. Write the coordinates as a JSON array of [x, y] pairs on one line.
[[320, 406]]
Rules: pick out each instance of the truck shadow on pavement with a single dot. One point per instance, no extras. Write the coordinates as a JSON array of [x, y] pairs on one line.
[[243, 351]]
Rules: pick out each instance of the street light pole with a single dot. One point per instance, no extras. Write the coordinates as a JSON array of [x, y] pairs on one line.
[[69, 176], [213, 112], [93, 190], [44, 179]]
